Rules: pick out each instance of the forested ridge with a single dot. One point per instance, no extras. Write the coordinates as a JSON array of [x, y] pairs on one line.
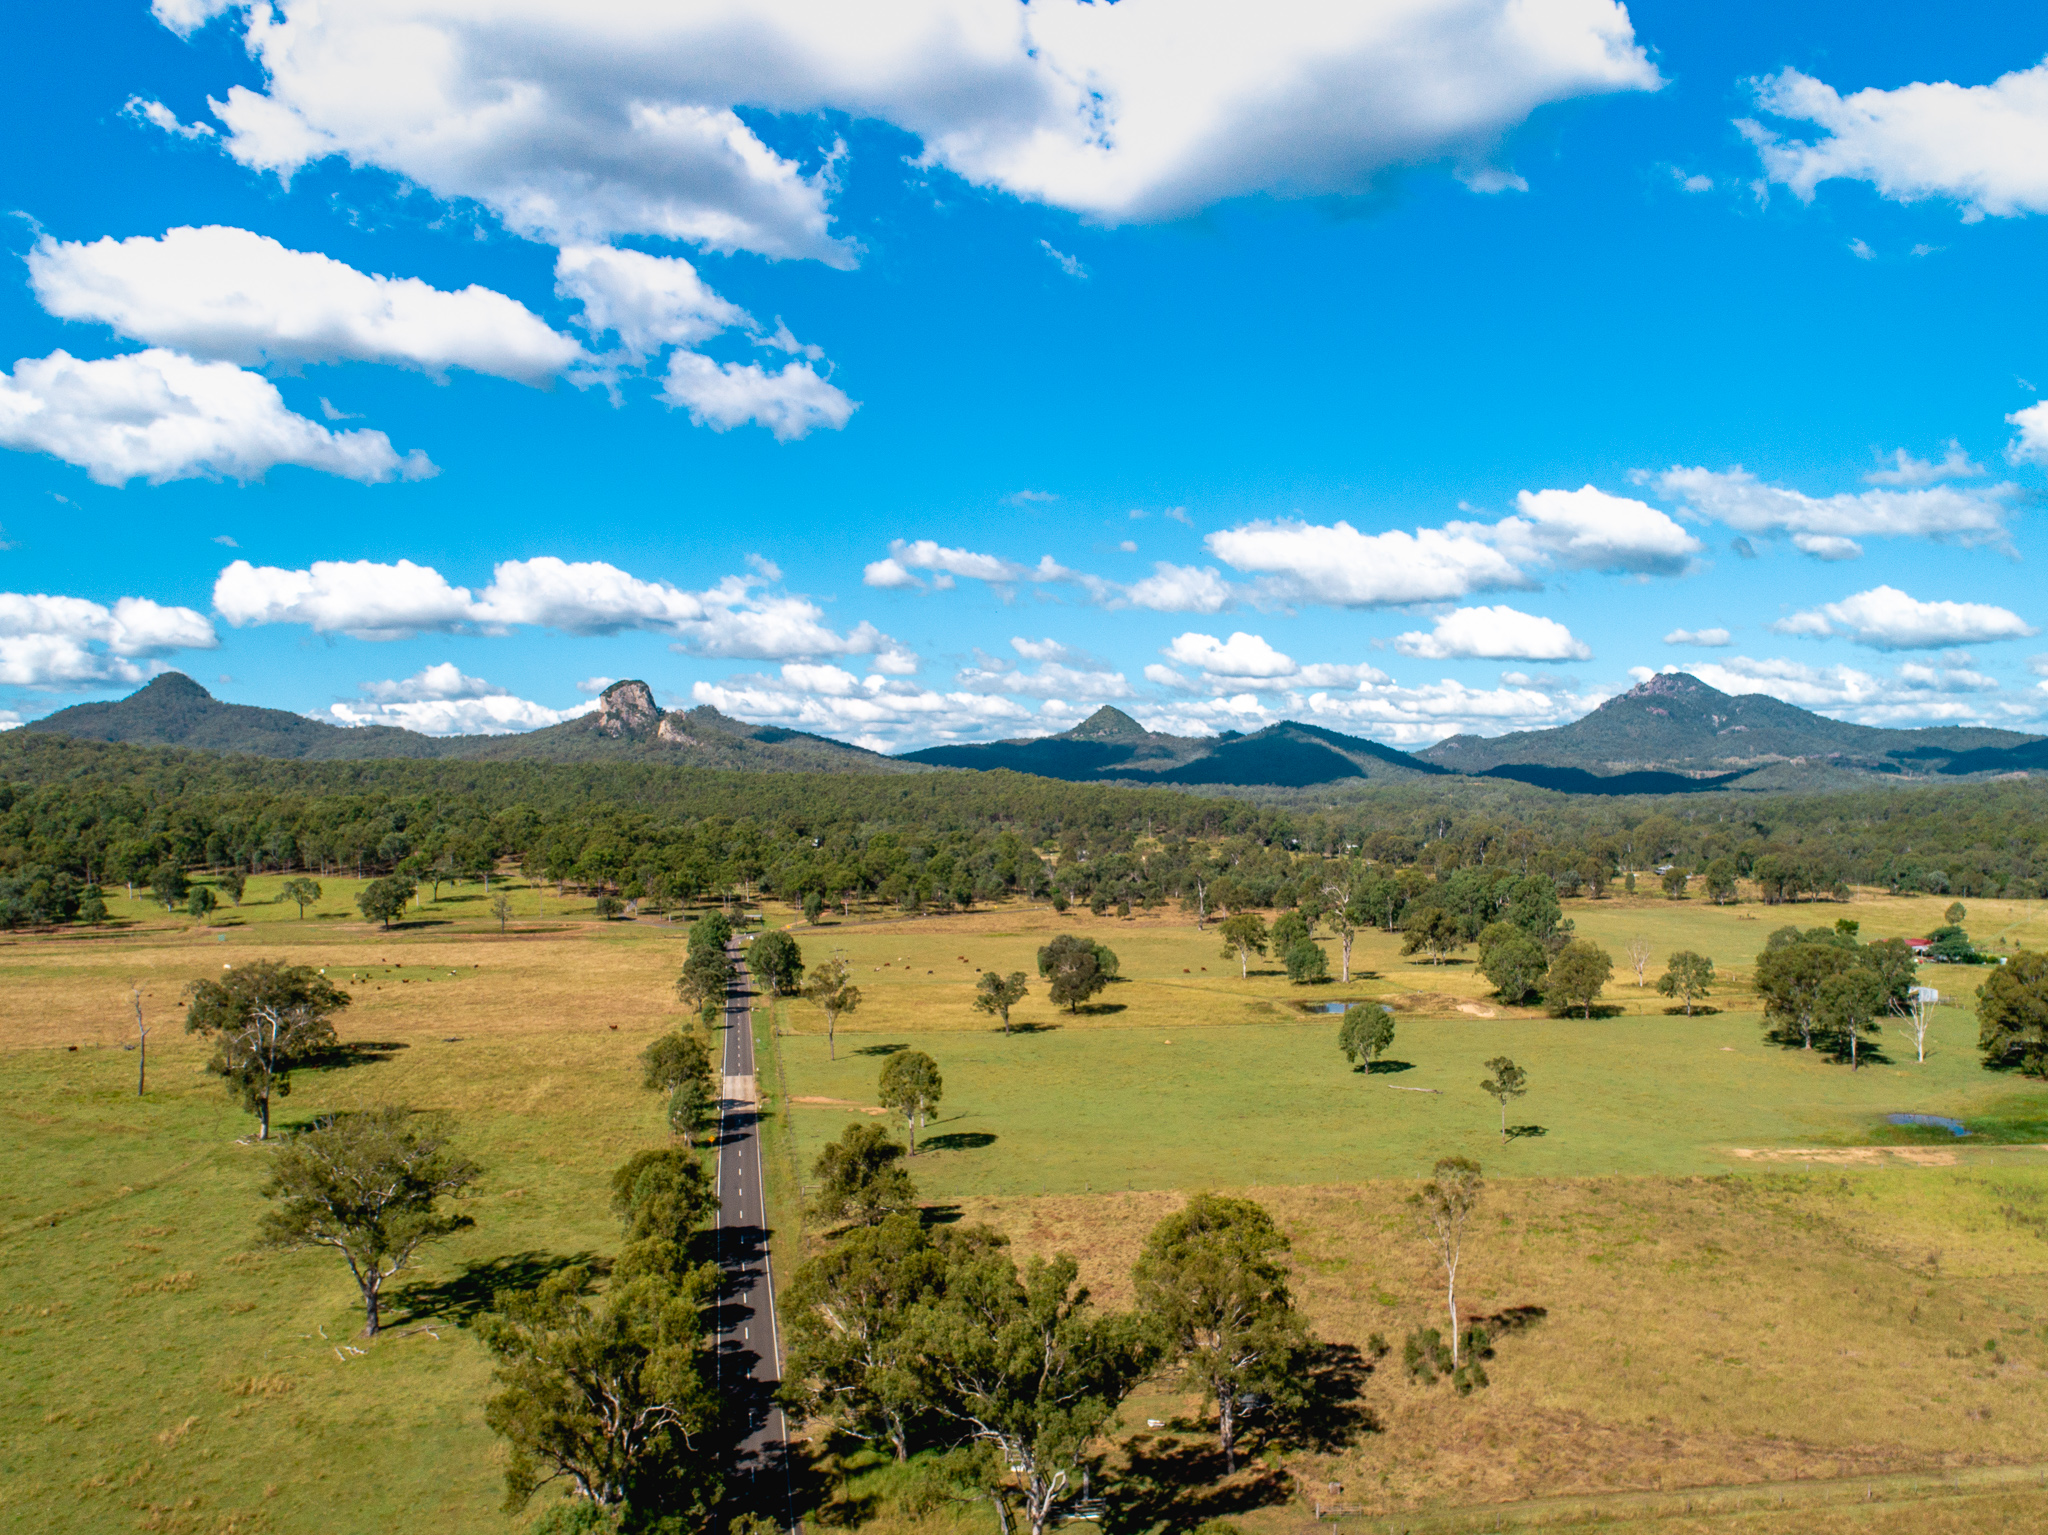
[[74, 814]]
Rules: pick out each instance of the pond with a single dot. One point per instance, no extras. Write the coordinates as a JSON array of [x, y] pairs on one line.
[[1338, 1007], [1953, 1126]]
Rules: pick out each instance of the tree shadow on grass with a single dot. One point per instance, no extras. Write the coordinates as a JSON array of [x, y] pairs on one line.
[[1513, 1320], [1331, 1416], [880, 1049], [1031, 1028], [1699, 1010], [474, 1289], [1101, 1009], [1577, 1014], [354, 1052], [1174, 1485], [957, 1140], [1387, 1068], [1526, 1132]]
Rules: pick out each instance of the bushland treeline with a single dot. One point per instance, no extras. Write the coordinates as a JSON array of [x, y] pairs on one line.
[[76, 814]]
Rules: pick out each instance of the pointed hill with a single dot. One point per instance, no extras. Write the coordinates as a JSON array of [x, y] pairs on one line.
[[173, 710], [1675, 723]]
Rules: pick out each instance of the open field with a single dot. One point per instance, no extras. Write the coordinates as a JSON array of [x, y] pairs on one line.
[[1699, 1332], [161, 1375], [1176, 1078], [1736, 1331]]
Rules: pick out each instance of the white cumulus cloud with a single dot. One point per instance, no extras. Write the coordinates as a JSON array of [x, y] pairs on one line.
[[908, 555], [368, 600], [791, 401], [56, 642], [648, 302], [1826, 526], [578, 123], [1885, 618], [1169, 589], [1241, 656], [1339, 565], [1080, 679], [1498, 633], [1902, 468], [1588, 529], [1983, 147], [1711, 639], [1584, 529], [159, 415], [1180, 589], [235, 296], [441, 700], [872, 711], [362, 598], [1248, 661], [443, 682], [2031, 446]]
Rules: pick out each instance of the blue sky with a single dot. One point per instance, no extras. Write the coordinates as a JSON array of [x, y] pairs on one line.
[[943, 369]]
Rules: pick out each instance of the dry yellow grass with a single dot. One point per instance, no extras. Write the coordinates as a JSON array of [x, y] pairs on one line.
[[1700, 1333]]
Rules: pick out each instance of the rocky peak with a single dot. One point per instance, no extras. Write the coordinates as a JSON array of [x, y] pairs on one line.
[[626, 708], [1671, 685]]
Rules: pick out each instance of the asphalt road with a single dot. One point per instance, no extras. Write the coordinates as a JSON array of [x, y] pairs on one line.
[[746, 1342]]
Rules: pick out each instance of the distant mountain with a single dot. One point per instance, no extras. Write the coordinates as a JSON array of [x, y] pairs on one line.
[[173, 710], [1678, 724], [1672, 735], [1111, 746]]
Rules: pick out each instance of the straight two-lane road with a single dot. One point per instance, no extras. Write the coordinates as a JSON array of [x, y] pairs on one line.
[[747, 1344]]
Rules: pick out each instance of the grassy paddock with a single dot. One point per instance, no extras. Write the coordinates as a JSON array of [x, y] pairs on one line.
[[1178, 1077], [1700, 1333], [162, 1375]]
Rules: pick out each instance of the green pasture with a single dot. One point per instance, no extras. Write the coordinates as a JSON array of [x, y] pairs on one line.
[[1184, 1073], [263, 903], [161, 1374], [1210, 1106]]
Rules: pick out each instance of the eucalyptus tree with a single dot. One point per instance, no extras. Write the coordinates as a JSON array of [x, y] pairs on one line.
[[264, 1019], [1213, 1279], [830, 990], [996, 994], [1365, 1034], [1244, 934], [1443, 1208], [1505, 1080], [369, 1186], [911, 1085], [1024, 1364]]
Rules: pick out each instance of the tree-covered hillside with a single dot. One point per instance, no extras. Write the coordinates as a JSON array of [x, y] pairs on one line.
[[75, 814]]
